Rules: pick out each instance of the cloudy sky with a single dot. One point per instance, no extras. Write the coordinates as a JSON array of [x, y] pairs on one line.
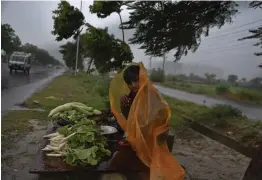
[[32, 21]]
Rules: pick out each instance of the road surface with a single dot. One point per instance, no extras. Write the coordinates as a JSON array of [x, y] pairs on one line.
[[251, 111], [21, 86]]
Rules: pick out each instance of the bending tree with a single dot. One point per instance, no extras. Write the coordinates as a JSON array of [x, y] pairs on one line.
[[103, 9], [67, 21], [9, 40], [162, 26], [115, 52]]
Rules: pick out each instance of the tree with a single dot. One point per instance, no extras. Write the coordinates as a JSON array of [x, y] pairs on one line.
[[41, 55], [9, 40], [232, 78], [244, 80], [115, 52], [68, 51], [210, 78], [104, 9], [162, 26], [67, 21], [256, 81]]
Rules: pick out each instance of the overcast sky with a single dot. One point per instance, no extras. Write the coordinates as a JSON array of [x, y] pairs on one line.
[[32, 21]]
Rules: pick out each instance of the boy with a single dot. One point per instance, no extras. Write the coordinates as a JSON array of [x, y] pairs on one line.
[[131, 78]]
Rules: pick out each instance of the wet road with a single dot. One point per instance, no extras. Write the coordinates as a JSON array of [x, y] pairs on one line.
[[21, 86], [251, 111]]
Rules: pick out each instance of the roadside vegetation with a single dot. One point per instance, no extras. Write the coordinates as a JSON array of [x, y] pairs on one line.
[[232, 88], [93, 90], [222, 118]]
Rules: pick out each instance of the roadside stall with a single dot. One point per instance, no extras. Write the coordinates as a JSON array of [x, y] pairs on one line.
[[73, 124]]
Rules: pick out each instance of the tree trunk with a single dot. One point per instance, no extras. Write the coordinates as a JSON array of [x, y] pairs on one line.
[[121, 26], [90, 63]]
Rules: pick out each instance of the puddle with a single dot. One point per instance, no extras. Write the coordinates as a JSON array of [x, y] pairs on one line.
[[16, 162], [206, 159], [25, 108]]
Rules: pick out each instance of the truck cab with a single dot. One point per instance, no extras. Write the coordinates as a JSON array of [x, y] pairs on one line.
[[20, 61]]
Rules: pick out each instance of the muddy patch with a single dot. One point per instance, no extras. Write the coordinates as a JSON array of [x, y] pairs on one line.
[[17, 161], [206, 159]]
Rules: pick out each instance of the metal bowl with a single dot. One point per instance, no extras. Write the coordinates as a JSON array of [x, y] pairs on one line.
[[107, 130]]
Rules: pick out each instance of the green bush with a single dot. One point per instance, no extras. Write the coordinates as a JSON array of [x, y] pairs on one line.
[[102, 87], [218, 115], [157, 75], [222, 110], [250, 95], [222, 89]]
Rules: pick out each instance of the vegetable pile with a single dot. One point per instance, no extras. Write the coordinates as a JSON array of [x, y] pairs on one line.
[[73, 112], [79, 144]]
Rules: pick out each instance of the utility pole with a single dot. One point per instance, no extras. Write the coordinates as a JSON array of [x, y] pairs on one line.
[[77, 43], [150, 62], [164, 61]]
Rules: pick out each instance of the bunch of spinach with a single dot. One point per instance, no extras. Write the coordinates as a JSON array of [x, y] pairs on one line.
[[87, 146]]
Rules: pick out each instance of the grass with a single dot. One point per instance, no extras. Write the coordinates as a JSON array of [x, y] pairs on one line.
[[222, 118], [91, 90], [15, 124], [88, 89], [235, 93]]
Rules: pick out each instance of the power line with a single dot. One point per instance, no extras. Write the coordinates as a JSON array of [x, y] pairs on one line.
[[234, 32], [243, 25], [230, 45]]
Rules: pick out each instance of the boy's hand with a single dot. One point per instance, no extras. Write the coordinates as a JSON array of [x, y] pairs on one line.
[[124, 100]]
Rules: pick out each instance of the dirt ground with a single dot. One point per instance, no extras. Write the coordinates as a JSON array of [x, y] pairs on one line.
[[203, 158], [206, 159], [17, 161]]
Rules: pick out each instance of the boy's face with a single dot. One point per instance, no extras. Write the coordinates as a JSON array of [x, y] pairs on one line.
[[134, 85]]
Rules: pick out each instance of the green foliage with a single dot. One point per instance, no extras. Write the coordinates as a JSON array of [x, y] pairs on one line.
[[41, 55], [222, 111], [68, 51], [222, 89], [162, 26], [67, 21], [232, 78], [103, 9], [218, 115], [157, 75], [9, 40], [87, 146], [249, 95], [102, 86], [115, 52]]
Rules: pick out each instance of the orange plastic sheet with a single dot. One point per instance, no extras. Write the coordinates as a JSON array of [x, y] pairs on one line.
[[148, 117]]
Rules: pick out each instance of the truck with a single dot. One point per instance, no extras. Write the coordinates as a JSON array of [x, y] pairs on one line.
[[20, 61]]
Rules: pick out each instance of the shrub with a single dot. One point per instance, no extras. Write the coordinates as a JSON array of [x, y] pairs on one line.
[[222, 89], [222, 110], [102, 86]]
